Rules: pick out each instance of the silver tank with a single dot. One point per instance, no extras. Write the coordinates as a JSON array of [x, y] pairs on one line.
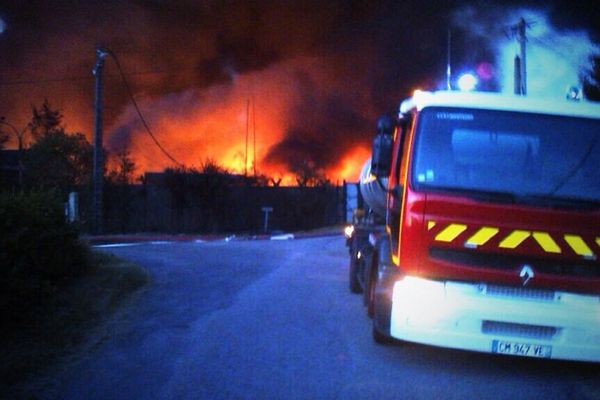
[[373, 194]]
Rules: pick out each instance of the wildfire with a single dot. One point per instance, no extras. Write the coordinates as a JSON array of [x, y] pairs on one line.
[[237, 125]]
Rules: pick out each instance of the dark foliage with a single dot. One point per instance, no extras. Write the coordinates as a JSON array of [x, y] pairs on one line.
[[36, 243], [59, 160]]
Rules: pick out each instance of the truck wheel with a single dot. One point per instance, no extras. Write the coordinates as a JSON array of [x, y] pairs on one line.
[[369, 294], [354, 284], [381, 318], [381, 338], [382, 286]]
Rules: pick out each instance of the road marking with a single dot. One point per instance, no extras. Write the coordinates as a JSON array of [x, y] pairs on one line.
[[101, 246], [283, 237]]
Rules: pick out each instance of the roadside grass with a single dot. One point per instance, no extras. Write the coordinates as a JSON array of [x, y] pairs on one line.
[[44, 322]]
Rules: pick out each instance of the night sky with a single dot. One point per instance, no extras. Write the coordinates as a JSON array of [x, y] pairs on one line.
[[315, 73]]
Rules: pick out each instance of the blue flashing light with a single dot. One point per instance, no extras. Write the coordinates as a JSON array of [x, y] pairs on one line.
[[467, 82]]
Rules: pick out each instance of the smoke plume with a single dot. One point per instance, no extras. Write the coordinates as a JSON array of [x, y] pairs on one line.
[[557, 54], [271, 85]]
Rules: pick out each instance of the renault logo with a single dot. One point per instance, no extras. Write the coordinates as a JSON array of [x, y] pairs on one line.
[[526, 274]]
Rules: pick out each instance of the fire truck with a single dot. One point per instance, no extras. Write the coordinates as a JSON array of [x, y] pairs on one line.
[[481, 226]]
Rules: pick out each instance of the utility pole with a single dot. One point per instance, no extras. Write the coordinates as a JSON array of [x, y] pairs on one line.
[[521, 86], [247, 125], [449, 61], [517, 75], [254, 135], [98, 167]]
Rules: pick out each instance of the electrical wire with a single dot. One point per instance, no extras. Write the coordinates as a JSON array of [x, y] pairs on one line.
[[551, 48], [137, 109], [43, 81]]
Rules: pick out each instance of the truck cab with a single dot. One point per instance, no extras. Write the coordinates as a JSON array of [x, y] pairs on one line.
[[492, 226]]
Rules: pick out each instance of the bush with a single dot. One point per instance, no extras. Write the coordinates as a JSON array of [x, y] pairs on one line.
[[36, 242]]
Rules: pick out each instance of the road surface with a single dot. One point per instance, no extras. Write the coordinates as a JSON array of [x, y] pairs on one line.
[[275, 320]]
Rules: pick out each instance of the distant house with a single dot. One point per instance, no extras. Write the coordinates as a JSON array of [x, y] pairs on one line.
[[9, 169]]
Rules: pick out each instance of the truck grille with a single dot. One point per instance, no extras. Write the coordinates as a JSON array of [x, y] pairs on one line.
[[519, 330], [508, 262], [519, 293]]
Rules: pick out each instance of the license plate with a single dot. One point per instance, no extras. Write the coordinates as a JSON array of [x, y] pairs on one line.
[[521, 349]]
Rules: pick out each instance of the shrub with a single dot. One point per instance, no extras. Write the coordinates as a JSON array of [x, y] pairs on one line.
[[36, 243]]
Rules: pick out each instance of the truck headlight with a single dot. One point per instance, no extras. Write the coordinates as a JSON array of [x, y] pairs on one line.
[[349, 231]]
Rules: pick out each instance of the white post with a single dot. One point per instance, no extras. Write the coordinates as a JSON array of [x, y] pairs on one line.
[[73, 207], [267, 210]]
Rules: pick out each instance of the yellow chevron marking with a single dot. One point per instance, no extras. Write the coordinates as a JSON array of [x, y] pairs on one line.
[[514, 239], [450, 232], [430, 225], [546, 242], [482, 236], [578, 245]]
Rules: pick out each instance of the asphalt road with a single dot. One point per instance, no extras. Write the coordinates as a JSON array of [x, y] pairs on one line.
[[275, 320]]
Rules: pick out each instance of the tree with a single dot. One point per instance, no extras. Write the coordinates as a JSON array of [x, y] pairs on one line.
[[211, 167], [45, 120], [591, 80], [124, 171], [3, 138], [307, 174], [59, 160]]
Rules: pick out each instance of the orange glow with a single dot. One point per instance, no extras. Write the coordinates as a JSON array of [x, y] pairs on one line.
[[349, 167], [210, 123], [194, 126], [197, 125]]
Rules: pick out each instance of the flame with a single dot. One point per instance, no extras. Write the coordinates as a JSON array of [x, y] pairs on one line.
[[234, 124], [349, 168]]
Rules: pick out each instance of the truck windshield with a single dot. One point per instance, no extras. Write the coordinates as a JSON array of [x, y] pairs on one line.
[[509, 156]]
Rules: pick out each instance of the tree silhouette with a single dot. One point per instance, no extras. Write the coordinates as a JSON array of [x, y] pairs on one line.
[[123, 172], [59, 160], [3, 138], [307, 174], [45, 120]]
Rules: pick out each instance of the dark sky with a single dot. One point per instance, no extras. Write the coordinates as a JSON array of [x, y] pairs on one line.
[[376, 52]]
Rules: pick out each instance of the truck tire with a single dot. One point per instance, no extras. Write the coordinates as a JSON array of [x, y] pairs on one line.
[[368, 292], [382, 284], [354, 283]]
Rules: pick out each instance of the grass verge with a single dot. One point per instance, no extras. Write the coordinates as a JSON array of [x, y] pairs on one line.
[[52, 321]]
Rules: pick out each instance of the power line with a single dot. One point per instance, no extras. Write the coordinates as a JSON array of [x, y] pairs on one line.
[[45, 81], [551, 48], [42, 81], [137, 109]]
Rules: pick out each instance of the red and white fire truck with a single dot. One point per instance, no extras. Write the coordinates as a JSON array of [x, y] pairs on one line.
[[490, 225]]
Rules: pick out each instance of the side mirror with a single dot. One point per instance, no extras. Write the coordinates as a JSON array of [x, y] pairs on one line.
[[381, 158]]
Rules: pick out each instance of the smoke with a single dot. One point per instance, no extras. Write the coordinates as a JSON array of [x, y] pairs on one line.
[[556, 57], [317, 74], [294, 111], [193, 66]]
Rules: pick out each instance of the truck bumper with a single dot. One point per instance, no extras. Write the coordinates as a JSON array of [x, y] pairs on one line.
[[496, 319]]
